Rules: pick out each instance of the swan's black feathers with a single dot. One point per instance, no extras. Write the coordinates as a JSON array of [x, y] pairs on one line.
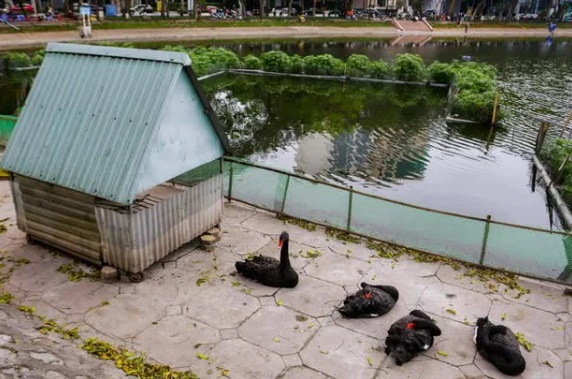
[[370, 301], [261, 259], [409, 336], [270, 271], [498, 345]]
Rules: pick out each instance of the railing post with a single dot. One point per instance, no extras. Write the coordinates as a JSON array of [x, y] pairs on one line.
[[350, 209], [230, 183], [485, 238], [285, 193]]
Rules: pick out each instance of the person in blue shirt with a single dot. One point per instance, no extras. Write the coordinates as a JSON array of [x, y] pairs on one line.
[[551, 27]]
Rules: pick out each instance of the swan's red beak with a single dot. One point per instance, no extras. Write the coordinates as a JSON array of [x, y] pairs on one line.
[[280, 243], [410, 325], [368, 295]]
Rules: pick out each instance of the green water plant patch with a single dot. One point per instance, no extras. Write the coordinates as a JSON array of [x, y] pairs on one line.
[[474, 83]]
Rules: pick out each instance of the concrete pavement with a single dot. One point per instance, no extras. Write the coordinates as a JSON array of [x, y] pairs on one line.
[[194, 313]]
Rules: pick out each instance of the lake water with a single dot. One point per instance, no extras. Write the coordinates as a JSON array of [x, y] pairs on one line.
[[393, 140]]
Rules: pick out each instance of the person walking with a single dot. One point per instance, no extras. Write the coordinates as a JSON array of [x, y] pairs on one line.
[[551, 28]]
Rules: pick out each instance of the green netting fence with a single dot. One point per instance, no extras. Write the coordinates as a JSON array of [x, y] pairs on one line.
[[6, 126], [528, 251]]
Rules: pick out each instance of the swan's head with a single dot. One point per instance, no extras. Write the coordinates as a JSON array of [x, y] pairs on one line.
[[283, 238], [366, 290], [482, 321]]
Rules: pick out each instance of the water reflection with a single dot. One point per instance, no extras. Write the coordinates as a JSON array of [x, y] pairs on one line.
[[14, 89], [343, 129]]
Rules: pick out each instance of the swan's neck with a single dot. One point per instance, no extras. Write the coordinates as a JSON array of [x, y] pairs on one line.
[[284, 255]]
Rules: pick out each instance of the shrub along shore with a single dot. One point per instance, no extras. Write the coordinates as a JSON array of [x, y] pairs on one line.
[[474, 83]]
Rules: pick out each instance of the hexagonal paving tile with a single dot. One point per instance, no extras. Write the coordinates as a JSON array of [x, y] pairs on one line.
[[373, 327], [342, 354], [172, 340], [537, 366], [37, 277], [245, 360], [72, 298], [565, 355], [454, 302], [544, 296], [312, 297], [449, 275], [234, 214], [472, 372], [125, 316], [278, 329], [225, 261], [242, 241], [45, 310], [407, 266], [456, 340], [269, 224], [350, 249], [34, 253], [251, 287], [568, 370], [301, 372], [161, 290], [418, 368], [568, 329], [338, 270], [220, 306], [218, 263], [539, 327], [196, 262]]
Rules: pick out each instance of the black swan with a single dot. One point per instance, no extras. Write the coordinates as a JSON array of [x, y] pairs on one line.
[[370, 301], [409, 336], [270, 271], [498, 345]]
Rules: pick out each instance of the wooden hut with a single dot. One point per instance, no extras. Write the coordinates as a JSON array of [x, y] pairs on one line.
[[117, 156]]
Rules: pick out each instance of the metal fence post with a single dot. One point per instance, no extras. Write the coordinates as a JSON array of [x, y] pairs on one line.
[[230, 183], [285, 193], [485, 238], [350, 209]]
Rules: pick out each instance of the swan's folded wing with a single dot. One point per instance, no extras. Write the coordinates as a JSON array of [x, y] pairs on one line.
[[264, 259]]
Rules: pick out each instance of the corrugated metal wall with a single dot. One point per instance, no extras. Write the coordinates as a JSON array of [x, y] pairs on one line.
[[167, 217], [59, 217]]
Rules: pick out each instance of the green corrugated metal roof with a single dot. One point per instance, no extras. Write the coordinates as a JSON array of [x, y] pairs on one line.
[[90, 116]]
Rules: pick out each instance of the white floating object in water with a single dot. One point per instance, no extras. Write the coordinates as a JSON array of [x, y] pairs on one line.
[[467, 58]]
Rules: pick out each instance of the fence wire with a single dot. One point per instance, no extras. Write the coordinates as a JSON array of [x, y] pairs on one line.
[[519, 249]]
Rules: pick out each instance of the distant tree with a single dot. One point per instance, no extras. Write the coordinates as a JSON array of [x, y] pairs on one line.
[[348, 4], [401, 3], [417, 5]]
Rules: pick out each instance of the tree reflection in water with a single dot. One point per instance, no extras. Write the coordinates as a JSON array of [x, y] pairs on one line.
[[371, 130]]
